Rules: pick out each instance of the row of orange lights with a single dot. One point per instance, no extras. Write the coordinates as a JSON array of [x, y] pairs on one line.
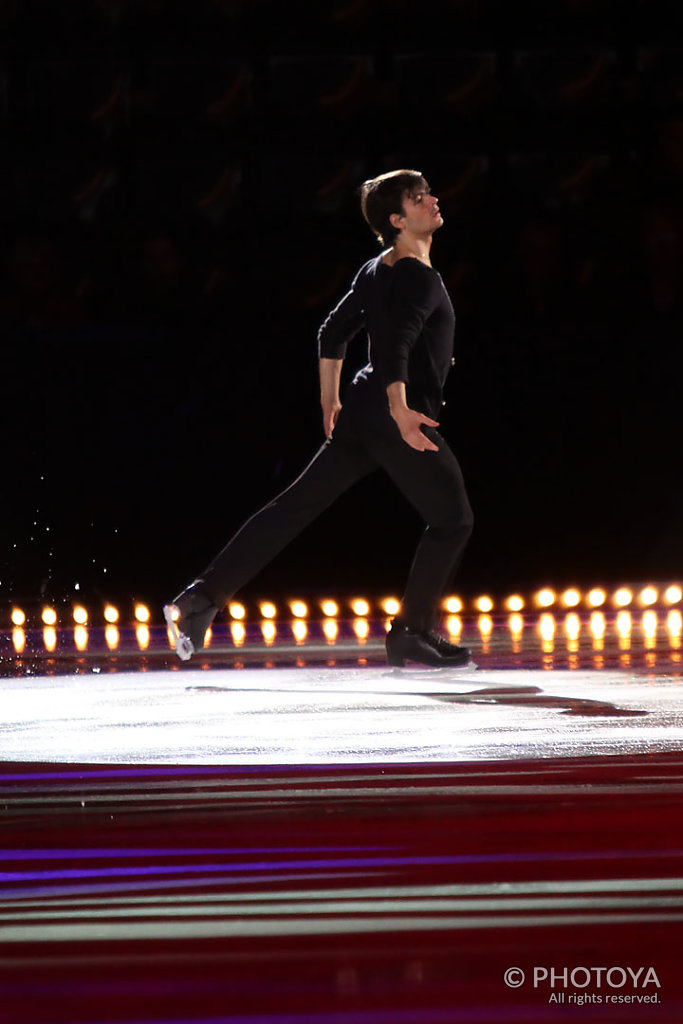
[[547, 627], [543, 599]]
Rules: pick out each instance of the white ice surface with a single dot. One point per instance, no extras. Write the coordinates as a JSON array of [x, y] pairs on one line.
[[322, 715]]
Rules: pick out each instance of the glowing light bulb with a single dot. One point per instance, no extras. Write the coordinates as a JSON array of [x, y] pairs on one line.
[[49, 616], [391, 606], [111, 614], [81, 638], [268, 610], [361, 629], [237, 610], [141, 613], [674, 623], [572, 626], [330, 609], [598, 625], [648, 596], [300, 629], [238, 633], [545, 598], [360, 607], [623, 597], [111, 635], [597, 597], [453, 605], [298, 609], [484, 604], [516, 623], [649, 625], [485, 625], [18, 617], [80, 615], [571, 598], [672, 595], [624, 624], [547, 627], [454, 625], [515, 603], [330, 629]]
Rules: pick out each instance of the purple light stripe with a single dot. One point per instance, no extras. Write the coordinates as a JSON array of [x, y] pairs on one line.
[[10, 877], [96, 854]]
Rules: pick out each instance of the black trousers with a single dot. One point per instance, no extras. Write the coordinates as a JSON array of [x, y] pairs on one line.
[[365, 438]]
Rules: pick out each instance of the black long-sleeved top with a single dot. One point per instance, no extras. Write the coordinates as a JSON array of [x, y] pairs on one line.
[[409, 319]]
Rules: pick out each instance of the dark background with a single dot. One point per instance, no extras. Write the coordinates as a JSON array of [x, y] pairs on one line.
[[177, 216]]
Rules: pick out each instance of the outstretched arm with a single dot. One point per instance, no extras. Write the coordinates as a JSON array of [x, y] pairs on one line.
[[409, 421], [330, 373]]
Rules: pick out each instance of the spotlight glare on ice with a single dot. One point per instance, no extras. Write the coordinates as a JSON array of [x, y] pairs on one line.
[[111, 635], [624, 624], [330, 630], [674, 622], [516, 623], [454, 625]]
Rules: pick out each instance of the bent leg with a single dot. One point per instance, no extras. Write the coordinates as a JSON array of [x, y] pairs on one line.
[[434, 485], [336, 466]]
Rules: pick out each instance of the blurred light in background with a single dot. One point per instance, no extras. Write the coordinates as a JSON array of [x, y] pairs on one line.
[[391, 606], [571, 598], [49, 616], [453, 605], [597, 597], [484, 604], [515, 603], [545, 598], [268, 610], [623, 597], [360, 607], [141, 613], [330, 609], [237, 610], [18, 617], [648, 596], [298, 609], [111, 614]]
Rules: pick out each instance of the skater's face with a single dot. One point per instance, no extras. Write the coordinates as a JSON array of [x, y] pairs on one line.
[[421, 215]]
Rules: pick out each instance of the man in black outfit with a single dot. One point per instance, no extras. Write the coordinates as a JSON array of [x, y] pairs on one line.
[[388, 420]]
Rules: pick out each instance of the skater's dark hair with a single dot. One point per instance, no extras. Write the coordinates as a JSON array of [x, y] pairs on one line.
[[384, 195]]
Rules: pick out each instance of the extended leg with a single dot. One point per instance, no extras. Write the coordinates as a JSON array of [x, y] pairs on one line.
[[335, 467]]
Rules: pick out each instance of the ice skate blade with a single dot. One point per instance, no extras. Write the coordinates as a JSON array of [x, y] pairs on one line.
[[184, 647]]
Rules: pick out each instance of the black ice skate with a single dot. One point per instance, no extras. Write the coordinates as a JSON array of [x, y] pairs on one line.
[[196, 612], [405, 644]]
